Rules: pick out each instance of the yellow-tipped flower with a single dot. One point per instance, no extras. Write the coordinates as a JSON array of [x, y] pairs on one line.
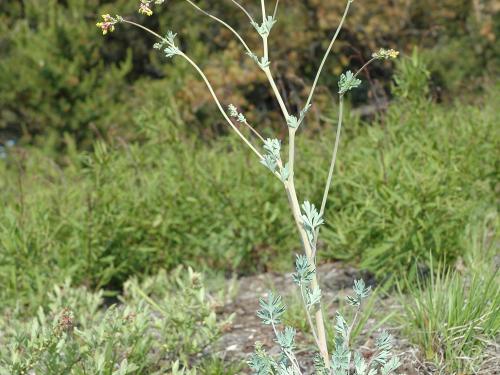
[[108, 24], [386, 54], [145, 9]]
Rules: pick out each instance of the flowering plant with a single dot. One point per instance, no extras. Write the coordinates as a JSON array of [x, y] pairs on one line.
[[308, 218]]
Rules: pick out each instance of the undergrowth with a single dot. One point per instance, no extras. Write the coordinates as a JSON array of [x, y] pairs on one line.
[[452, 314], [404, 189], [159, 323]]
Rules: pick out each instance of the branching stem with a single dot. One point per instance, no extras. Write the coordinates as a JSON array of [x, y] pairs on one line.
[[318, 332], [327, 53], [209, 86], [290, 356], [294, 204], [309, 319], [334, 152], [254, 131], [222, 23], [276, 9], [334, 157], [244, 10]]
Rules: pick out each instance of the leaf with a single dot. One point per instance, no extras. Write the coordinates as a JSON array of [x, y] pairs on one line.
[[265, 28], [286, 338], [319, 365], [233, 111], [311, 219], [171, 51], [360, 292], [391, 366], [304, 270], [292, 122], [270, 162], [313, 297], [285, 173], [348, 82], [260, 362], [271, 309], [360, 364], [273, 146], [341, 358], [384, 341], [341, 327]]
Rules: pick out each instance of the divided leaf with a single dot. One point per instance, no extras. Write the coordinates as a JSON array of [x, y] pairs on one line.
[[271, 309], [348, 82], [304, 270]]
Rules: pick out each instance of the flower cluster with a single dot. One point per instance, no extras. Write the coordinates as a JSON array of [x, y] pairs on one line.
[[66, 320], [145, 7], [385, 54], [108, 23], [233, 112]]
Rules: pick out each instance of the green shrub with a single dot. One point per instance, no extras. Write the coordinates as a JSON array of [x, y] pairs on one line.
[[162, 322], [53, 79], [453, 315], [404, 189]]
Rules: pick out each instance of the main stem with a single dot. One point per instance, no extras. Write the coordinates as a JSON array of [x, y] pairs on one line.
[[294, 204]]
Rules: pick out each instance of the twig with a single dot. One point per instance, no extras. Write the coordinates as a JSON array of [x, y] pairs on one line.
[[222, 23], [276, 9], [327, 53], [209, 86], [244, 10]]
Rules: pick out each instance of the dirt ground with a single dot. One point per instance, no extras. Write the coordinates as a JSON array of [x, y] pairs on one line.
[[336, 280]]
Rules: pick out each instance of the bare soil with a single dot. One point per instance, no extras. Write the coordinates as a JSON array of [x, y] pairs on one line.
[[237, 343]]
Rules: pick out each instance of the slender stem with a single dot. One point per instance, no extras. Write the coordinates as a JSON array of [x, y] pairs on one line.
[[291, 151], [334, 156], [221, 109], [266, 47], [254, 131], [294, 204], [267, 71], [332, 166], [327, 53], [309, 319], [364, 66], [276, 9], [144, 28], [351, 327], [289, 356], [222, 23], [276, 92], [264, 37], [335, 150], [209, 86], [244, 10]]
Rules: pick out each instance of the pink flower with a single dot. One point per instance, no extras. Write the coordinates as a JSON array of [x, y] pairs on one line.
[[108, 24], [145, 9]]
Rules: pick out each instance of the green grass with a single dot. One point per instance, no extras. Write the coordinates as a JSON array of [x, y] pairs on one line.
[[454, 314], [404, 189]]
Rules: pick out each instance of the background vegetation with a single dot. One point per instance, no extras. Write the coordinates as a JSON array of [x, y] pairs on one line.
[[57, 77], [114, 164]]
